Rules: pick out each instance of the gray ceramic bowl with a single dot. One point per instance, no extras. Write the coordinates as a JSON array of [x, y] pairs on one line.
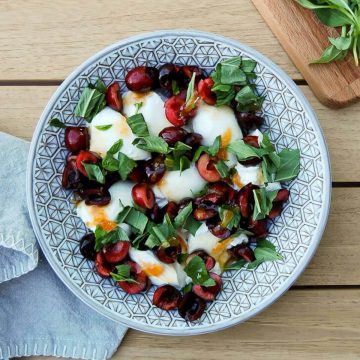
[[290, 122]]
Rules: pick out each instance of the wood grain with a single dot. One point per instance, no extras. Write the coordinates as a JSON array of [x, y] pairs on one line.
[[39, 41], [303, 37], [21, 107], [311, 324]]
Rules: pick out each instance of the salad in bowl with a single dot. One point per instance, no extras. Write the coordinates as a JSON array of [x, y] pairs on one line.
[[175, 181]]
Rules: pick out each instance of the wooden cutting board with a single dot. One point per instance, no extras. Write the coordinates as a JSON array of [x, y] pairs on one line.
[[304, 38]]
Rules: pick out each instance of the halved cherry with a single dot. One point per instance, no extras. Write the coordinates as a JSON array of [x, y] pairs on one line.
[[209, 199], [156, 214], [275, 211], [102, 267], [172, 209], [208, 260], [71, 178], [85, 157], [206, 168], [173, 110], [209, 293], [169, 254], [203, 213], [154, 169], [247, 121], [143, 195], [114, 253], [136, 274], [244, 252], [191, 307], [76, 138], [282, 196], [252, 141], [173, 134], [188, 71], [222, 189], [166, 297], [219, 231], [245, 200], [138, 173], [113, 97], [98, 195], [258, 228], [204, 90]]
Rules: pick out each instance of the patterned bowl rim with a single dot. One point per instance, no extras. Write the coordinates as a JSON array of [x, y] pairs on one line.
[[316, 236]]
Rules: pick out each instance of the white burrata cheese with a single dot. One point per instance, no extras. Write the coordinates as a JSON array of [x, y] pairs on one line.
[[105, 216], [248, 174], [177, 185], [212, 121], [152, 109], [102, 140], [238, 240], [159, 272]]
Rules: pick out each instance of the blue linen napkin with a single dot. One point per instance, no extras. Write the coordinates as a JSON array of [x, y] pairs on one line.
[[38, 314]]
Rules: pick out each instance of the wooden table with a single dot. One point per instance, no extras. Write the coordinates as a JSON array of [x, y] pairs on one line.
[[41, 42]]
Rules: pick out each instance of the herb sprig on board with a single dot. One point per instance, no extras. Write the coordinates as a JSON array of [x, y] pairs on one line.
[[338, 13]]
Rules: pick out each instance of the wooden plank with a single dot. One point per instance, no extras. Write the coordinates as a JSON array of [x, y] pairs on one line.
[[311, 324], [304, 38], [21, 107], [48, 40]]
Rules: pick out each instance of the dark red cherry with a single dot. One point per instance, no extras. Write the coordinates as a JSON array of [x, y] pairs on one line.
[[142, 78], [191, 307], [166, 297], [136, 274], [113, 97], [208, 293], [76, 138], [143, 195], [102, 267], [87, 246], [114, 253]]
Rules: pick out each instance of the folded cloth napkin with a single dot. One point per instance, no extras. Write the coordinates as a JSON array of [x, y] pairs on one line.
[[38, 314]]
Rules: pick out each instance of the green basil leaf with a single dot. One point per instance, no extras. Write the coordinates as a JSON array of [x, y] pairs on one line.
[[103, 237], [242, 150], [138, 106], [99, 86], [182, 257], [182, 216], [310, 5], [233, 61], [103, 127], [152, 144], [333, 17], [123, 274], [116, 147], [341, 43], [180, 149], [330, 54], [175, 88], [248, 65], [232, 75], [110, 163], [213, 149], [91, 102], [235, 219], [289, 165], [197, 271], [247, 100], [57, 123], [265, 252], [236, 265], [260, 206], [126, 165], [190, 89], [192, 225], [135, 218], [184, 163], [94, 172], [187, 288], [138, 125], [222, 168], [160, 234]]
